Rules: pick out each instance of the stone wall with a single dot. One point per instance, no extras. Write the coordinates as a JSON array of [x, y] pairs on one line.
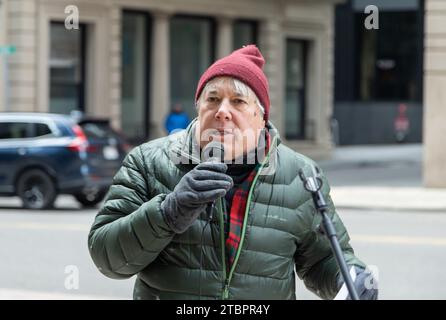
[[434, 134]]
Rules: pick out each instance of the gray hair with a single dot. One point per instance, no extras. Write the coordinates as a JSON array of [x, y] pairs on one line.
[[238, 86]]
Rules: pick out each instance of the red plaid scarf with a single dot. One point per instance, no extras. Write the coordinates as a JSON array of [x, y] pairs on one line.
[[237, 211], [237, 215]]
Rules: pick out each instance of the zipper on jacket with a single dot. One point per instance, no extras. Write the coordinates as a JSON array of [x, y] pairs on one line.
[[226, 290], [225, 294], [222, 238]]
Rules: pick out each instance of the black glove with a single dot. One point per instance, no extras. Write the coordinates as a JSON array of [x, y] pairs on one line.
[[366, 285], [202, 185]]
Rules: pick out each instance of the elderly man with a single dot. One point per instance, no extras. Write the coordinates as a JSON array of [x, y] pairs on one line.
[[234, 225]]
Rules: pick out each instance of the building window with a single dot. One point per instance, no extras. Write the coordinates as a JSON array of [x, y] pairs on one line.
[[67, 68], [191, 53], [389, 59], [244, 33], [134, 84], [295, 124]]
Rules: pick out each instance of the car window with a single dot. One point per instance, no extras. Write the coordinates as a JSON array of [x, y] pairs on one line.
[[40, 129], [14, 130]]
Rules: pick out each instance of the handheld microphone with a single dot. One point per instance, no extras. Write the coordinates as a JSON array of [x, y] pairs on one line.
[[213, 152]]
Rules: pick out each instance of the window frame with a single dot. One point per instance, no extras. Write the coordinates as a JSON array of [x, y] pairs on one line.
[[304, 123], [82, 89], [147, 72], [375, 96], [255, 26]]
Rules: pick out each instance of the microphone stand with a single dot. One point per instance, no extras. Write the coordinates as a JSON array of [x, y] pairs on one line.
[[314, 185]]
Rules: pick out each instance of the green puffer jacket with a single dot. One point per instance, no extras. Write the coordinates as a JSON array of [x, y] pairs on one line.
[[280, 231]]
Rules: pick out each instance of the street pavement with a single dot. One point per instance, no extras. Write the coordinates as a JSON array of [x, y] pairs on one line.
[[407, 250], [45, 256], [42, 252]]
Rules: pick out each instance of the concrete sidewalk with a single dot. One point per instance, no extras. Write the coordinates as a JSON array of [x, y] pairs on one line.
[[404, 199], [382, 178]]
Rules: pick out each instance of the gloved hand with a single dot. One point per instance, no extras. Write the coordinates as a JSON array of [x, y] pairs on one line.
[[366, 285], [202, 185]]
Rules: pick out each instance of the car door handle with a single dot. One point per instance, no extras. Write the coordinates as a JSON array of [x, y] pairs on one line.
[[21, 151]]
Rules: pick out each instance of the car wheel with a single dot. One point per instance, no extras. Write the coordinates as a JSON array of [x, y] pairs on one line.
[[91, 199], [36, 189]]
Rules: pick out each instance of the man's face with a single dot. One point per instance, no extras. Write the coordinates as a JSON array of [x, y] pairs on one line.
[[229, 116]]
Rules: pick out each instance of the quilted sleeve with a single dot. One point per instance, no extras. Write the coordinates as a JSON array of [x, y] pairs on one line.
[[129, 231]]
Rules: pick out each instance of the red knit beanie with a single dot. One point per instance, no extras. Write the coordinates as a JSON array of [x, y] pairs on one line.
[[246, 65]]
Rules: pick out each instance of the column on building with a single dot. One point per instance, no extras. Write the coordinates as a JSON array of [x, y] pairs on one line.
[[271, 44], [3, 42], [434, 135], [22, 64], [115, 66], [224, 36], [323, 130], [160, 75]]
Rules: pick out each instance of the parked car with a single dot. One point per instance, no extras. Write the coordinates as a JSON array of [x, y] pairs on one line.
[[43, 155]]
